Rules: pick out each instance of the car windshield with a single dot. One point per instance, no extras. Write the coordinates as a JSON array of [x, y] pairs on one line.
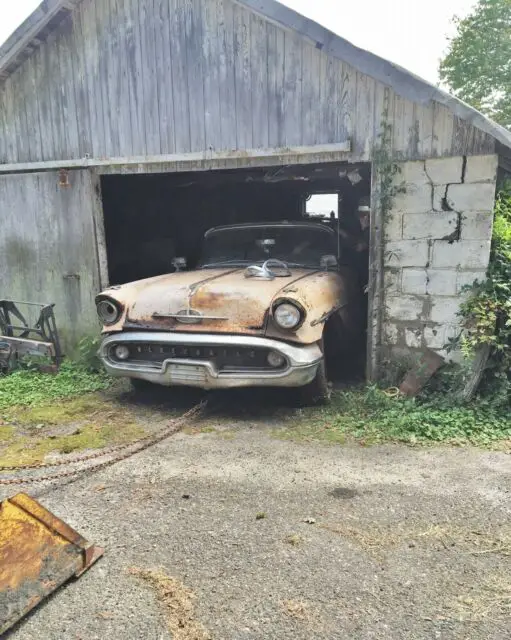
[[302, 246]]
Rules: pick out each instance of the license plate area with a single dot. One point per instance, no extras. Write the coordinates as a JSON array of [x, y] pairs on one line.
[[186, 373]]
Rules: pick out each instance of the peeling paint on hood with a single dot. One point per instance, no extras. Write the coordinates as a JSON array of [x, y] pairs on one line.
[[235, 304], [223, 293]]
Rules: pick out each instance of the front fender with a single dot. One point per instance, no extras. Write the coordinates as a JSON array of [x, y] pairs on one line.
[[321, 295]]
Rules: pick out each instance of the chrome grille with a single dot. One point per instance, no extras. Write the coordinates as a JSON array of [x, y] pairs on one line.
[[225, 358]]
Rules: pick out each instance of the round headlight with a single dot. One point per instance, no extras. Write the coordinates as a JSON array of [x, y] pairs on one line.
[[108, 311], [122, 352], [287, 316]]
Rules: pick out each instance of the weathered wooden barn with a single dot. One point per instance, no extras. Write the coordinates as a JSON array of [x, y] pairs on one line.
[[127, 122]]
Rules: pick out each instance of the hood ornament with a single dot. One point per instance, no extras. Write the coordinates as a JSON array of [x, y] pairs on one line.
[[270, 270]]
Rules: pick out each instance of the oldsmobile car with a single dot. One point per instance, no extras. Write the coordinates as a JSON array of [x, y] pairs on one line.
[[264, 307]]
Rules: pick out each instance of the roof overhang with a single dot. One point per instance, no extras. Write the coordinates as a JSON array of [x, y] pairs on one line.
[[32, 32]]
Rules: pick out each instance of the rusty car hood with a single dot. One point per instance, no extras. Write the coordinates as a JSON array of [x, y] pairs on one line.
[[234, 303]]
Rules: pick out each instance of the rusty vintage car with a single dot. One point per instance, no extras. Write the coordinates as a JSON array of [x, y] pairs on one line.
[[257, 311]]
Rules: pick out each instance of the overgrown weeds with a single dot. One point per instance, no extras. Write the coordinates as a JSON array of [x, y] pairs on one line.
[[26, 388], [371, 415], [487, 311]]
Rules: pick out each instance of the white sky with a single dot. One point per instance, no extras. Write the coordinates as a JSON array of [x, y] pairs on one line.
[[412, 33]]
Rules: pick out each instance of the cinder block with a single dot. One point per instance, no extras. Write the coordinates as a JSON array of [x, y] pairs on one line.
[[393, 226], [467, 279], [413, 338], [392, 281], [412, 173], [414, 281], [445, 170], [407, 253], [455, 357], [438, 337], [390, 333], [416, 199], [481, 169], [434, 337], [465, 254], [445, 310], [471, 197], [442, 282], [438, 197], [405, 307], [476, 225], [429, 225]]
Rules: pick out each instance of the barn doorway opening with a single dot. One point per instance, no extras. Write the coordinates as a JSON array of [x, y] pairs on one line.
[[152, 219]]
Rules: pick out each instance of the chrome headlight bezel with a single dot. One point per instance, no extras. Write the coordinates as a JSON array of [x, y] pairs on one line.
[[292, 308], [108, 310]]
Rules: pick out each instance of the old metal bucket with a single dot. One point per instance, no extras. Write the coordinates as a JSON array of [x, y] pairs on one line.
[[38, 553]]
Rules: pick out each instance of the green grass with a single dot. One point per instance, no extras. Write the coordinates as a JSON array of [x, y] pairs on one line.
[[370, 416], [6, 434], [29, 388], [63, 413], [366, 415], [90, 421]]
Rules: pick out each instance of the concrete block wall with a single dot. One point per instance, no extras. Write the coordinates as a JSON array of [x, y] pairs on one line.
[[437, 240]]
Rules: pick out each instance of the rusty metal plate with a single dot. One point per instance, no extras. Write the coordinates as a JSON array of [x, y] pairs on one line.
[[427, 364], [38, 553]]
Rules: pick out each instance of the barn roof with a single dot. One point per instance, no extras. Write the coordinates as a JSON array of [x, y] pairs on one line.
[[50, 14]]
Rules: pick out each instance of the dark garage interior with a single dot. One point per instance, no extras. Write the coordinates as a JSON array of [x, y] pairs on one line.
[[151, 219]]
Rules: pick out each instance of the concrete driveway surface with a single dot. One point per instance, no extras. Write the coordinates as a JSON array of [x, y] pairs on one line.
[[238, 535]]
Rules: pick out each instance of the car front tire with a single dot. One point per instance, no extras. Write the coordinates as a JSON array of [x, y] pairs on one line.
[[318, 391]]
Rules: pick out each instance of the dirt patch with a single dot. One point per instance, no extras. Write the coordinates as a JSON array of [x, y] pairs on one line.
[[492, 599], [29, 435], [299, 610], [294, 539], [70, 426], [375, 540], [387, 542], [177, 603]]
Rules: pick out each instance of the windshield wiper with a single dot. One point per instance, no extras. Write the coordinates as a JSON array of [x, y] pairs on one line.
[[224, 263], [303, 266]]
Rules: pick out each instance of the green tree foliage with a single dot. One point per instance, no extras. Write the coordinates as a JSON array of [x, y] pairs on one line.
[[488, 310], [477, 67]]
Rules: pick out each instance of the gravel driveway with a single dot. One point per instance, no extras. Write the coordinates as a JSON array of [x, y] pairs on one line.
[[283, 540]]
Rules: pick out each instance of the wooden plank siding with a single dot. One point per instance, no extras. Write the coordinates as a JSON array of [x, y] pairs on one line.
[[150, 77], [49, 254]]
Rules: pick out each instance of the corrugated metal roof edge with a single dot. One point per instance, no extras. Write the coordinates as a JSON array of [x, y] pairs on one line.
[[403, 82]]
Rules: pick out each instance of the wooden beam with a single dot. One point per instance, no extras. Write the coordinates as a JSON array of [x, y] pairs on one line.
[[182, 158]]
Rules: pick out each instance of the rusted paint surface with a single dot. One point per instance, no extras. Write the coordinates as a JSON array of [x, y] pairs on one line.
[[240, 305], [427, 364], [38, 553]]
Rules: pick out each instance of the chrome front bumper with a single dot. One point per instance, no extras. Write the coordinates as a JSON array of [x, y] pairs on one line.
[[302, 362]]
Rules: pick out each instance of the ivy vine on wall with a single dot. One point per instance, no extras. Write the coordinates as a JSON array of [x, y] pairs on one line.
[[487, 311]]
